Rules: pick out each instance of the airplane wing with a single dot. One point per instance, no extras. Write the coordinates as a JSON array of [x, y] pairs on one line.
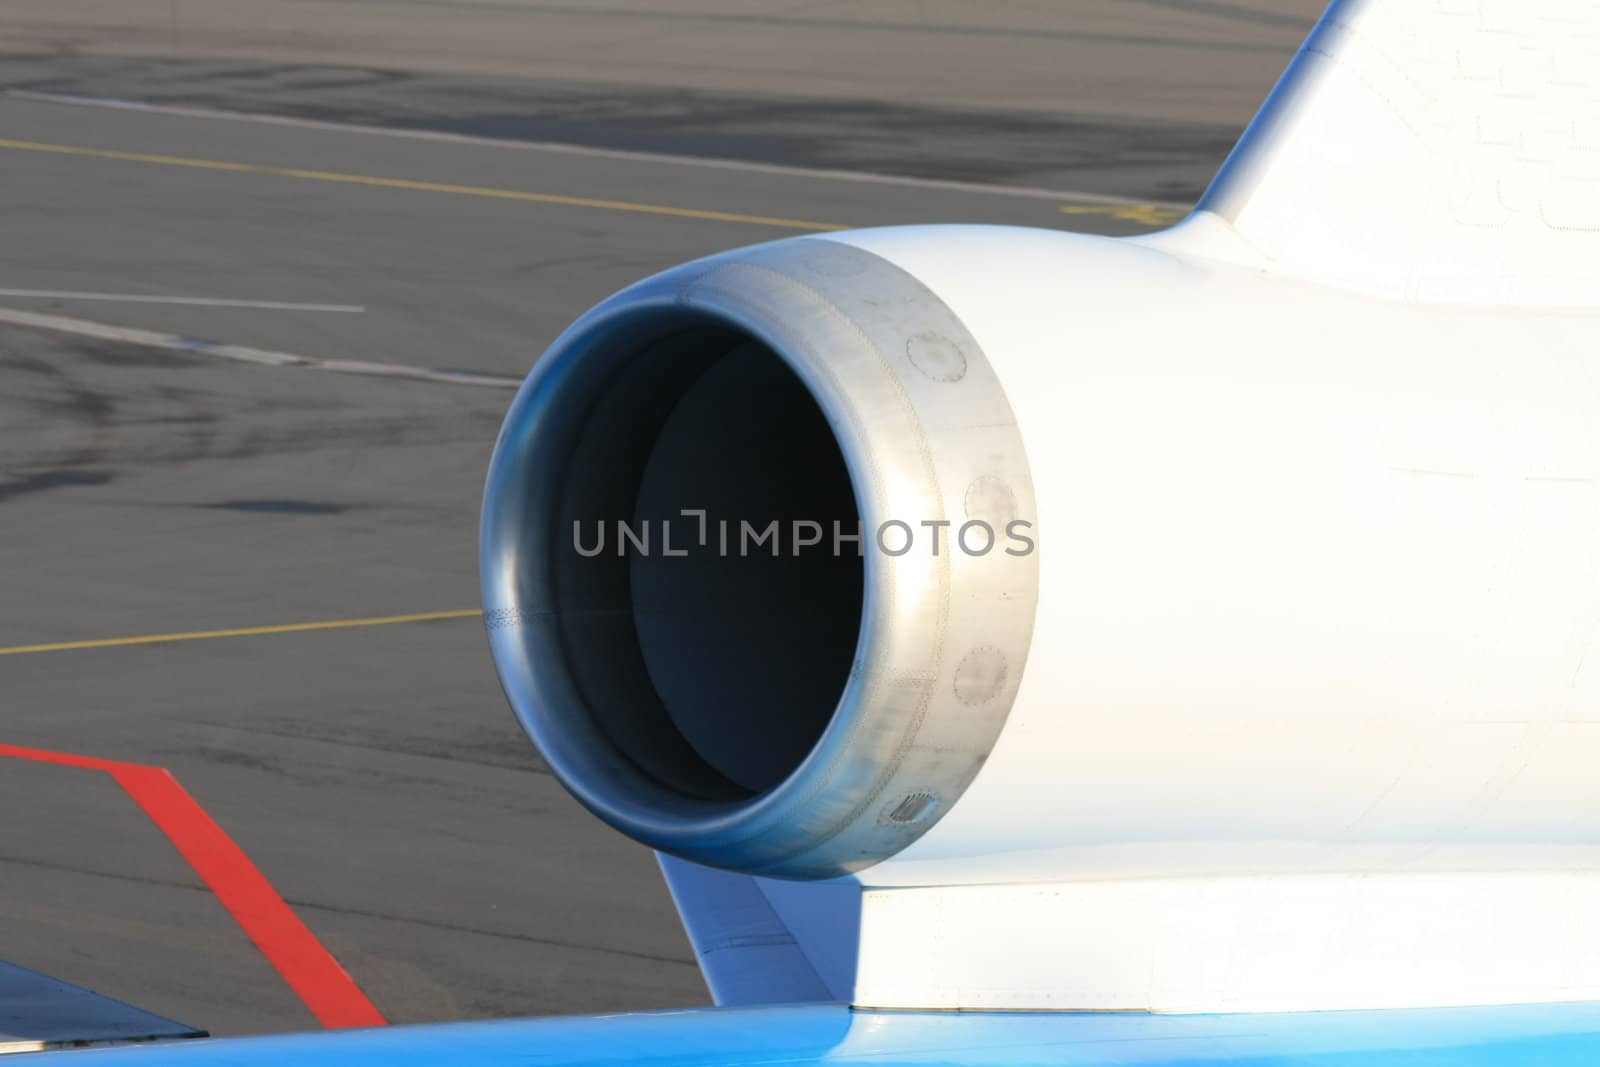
[[1527, 1036], [38, 1013]]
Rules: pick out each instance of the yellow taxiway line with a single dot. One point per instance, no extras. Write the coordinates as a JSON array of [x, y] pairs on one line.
[[1152, 215], [242, 631], [420, 186], [1144, 214]]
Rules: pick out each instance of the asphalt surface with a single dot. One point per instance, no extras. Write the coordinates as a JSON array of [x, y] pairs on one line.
[[372, 773], [1119, 155], [1186, 60]]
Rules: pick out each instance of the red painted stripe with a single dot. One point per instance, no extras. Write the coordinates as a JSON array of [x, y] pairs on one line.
[[65, 759], [283, 939], [286, 942]]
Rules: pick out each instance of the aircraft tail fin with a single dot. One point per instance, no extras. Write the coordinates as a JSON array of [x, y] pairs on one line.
[[1429, 150]]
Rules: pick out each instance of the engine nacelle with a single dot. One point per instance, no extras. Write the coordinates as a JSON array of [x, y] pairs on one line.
[[759, 559]]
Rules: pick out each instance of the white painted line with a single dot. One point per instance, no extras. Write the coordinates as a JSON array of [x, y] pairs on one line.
[[196, 301], [244, 354], [562, 148]]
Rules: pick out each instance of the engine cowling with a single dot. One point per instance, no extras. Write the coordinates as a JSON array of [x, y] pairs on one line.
[[759, 559]]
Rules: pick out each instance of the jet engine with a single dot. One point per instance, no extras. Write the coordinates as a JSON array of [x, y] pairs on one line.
[[760, 560]]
